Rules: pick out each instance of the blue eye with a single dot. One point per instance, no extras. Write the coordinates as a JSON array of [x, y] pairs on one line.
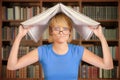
[[56, 28], [65, 28]]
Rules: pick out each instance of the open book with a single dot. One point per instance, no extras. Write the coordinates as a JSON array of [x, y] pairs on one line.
[[40, 22]]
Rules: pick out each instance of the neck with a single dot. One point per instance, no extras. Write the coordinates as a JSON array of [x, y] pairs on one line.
[[60, 48]]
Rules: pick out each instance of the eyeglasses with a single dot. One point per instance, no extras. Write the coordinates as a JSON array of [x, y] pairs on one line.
[[57, 30]]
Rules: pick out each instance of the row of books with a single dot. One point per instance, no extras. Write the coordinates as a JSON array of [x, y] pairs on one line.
[[24, 13], [109, 33], [97, 12], [101, 12], [94, 72], [98, 51], [9, 33], [22, 51], [19, 13], [25, 49], [31, 71], [86, 71]]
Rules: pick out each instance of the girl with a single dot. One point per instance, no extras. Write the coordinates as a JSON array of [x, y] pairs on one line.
[[60, 60]]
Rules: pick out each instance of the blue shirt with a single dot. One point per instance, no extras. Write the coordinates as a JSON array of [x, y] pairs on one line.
[[60, 67]]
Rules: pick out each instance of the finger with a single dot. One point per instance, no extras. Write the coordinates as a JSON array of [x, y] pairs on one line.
[[93, 28]]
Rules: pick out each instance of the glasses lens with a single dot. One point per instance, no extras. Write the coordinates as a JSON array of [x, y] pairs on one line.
[[64, 30]]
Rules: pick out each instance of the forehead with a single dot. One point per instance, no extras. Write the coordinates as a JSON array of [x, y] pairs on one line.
[[60, 23]]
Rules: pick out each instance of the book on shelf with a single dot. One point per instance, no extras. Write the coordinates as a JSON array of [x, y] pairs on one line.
[[39, 23], [18, 12], [101, 12], [32, 71], [93, 72]]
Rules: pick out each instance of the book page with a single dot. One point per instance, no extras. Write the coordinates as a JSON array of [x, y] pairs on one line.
[[40, 22]]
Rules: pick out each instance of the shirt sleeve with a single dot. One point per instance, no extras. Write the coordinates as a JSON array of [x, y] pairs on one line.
[[78, 52], [81, 51], [42, 50]]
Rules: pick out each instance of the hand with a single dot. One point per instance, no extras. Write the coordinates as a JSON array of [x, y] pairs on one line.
[[22, 31], [98, 32]]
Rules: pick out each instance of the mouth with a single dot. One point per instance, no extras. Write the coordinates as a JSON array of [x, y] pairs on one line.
[[62, 36]]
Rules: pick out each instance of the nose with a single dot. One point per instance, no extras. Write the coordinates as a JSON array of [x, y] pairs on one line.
[[61, 30]]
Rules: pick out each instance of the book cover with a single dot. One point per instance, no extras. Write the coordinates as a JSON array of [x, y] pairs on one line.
[[40, 22]]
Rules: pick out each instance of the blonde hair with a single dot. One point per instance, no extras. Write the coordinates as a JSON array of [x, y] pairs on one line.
[[60, 18]]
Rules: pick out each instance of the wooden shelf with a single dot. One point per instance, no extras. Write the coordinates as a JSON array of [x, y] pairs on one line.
[[99, 0], [99, 79], [60, 0], [22, 1], [93, 41], [23, 43], [110, 24], [32, 43], [115, 62], [113, 21], [21, 79], [43, 79], [12, 21], [4, 62], [97, 42]]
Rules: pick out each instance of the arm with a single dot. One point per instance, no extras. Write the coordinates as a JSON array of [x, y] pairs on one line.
[[13, 61], [106, 62]]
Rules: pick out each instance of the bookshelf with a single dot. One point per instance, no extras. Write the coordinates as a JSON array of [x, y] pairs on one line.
[[93, 7], [0, 39]]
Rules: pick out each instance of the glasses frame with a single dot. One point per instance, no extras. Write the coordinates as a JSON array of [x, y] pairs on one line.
[[65, 30]]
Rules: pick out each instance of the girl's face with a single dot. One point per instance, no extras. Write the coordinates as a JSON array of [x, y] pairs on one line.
[[60, 33], [60, 29]]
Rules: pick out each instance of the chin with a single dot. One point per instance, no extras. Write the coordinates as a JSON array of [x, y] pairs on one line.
[[61, 41]]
